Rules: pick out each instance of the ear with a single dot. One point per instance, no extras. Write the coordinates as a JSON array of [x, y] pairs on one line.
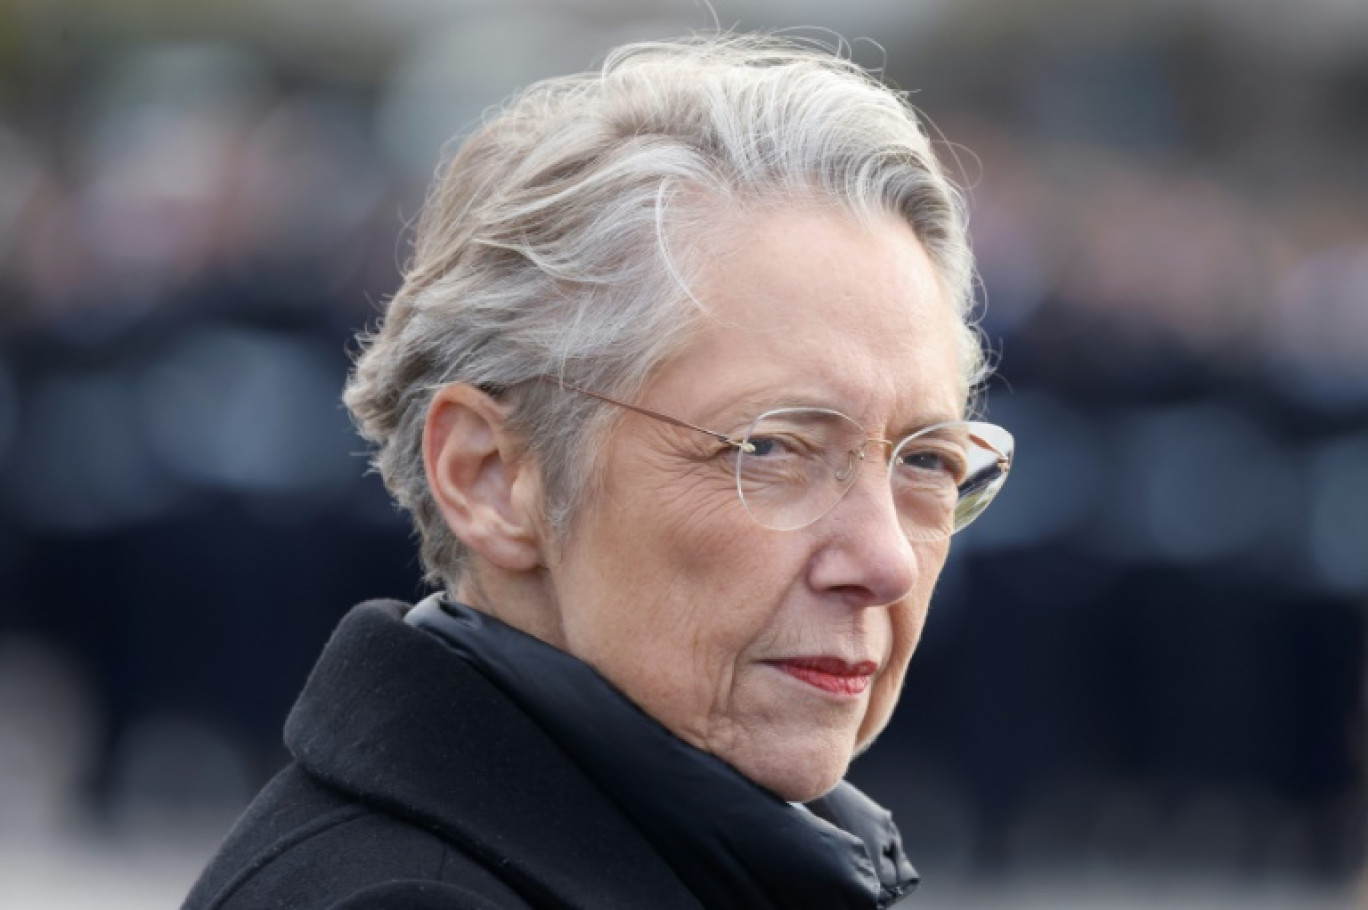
[[487, 491]]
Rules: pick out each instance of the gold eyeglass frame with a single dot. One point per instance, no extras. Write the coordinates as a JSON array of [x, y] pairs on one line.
[[1003, 459]]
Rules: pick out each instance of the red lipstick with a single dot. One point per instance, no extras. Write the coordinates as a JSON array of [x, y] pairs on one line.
[[830, 674]]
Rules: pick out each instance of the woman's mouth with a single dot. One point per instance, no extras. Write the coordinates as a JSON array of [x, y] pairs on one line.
[[830, 674]]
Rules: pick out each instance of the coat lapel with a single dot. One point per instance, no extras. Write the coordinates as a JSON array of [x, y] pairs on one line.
[[389, 717]]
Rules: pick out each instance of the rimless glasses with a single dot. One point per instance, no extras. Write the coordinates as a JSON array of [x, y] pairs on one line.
[[793, 465]]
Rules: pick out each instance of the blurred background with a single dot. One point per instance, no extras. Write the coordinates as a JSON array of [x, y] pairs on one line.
[[1143, 679]]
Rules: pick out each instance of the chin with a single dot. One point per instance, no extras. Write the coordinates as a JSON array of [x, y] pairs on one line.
[[798, 781], [805, 790]]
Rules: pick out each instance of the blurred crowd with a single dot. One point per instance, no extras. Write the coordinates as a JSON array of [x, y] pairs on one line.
[[1151, 657]]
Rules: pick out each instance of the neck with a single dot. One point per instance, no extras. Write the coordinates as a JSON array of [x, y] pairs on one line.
[[523, 600]]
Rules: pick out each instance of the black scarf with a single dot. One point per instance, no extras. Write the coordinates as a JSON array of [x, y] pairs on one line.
[[733, 843]]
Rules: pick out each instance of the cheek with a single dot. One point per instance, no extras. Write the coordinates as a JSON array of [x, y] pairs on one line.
[[679, 644], [907, 626], [668, 587], [710, 601], [908, 620]]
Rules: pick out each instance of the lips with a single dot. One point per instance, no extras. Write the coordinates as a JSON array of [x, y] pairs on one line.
[[830, 674]]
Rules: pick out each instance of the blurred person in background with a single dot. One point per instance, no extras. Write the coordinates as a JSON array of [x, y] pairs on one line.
[[678, 392]]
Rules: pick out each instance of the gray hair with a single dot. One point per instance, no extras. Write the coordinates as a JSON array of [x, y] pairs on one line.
[[561, 237]]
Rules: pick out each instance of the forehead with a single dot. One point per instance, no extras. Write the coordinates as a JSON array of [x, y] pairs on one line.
[[808, 304]]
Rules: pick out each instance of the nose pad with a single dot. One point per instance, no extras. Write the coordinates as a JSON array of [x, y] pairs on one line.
[[853, 457]]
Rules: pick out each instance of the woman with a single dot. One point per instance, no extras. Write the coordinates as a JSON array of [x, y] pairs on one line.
[[675, 390]]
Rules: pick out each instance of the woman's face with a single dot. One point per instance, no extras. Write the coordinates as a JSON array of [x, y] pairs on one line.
[[724, 631]]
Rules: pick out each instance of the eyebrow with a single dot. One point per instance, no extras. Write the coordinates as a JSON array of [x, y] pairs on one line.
[[929, 420], [749, 408]]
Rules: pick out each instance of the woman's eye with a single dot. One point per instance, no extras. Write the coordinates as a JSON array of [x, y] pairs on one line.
[[782, 445], [924, 461], [933, 461], [765, 446]]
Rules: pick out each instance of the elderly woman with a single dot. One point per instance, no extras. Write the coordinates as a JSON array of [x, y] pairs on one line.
[[675, 390]]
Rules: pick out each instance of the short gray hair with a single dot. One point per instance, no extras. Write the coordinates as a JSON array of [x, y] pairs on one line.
[[544, 248]]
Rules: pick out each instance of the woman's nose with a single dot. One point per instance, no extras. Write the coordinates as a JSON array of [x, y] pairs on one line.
[[867, 555]]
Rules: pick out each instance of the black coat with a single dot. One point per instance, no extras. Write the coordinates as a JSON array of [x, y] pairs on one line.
[[418, 782]]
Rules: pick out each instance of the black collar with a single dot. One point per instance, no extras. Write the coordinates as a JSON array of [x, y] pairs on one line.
[[390, 718], [733, 843]]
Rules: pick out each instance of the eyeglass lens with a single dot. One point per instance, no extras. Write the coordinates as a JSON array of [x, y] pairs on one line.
[[796, 464]]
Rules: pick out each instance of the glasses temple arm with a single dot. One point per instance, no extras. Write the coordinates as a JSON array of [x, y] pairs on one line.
[[647, 412], [1004, 461]]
